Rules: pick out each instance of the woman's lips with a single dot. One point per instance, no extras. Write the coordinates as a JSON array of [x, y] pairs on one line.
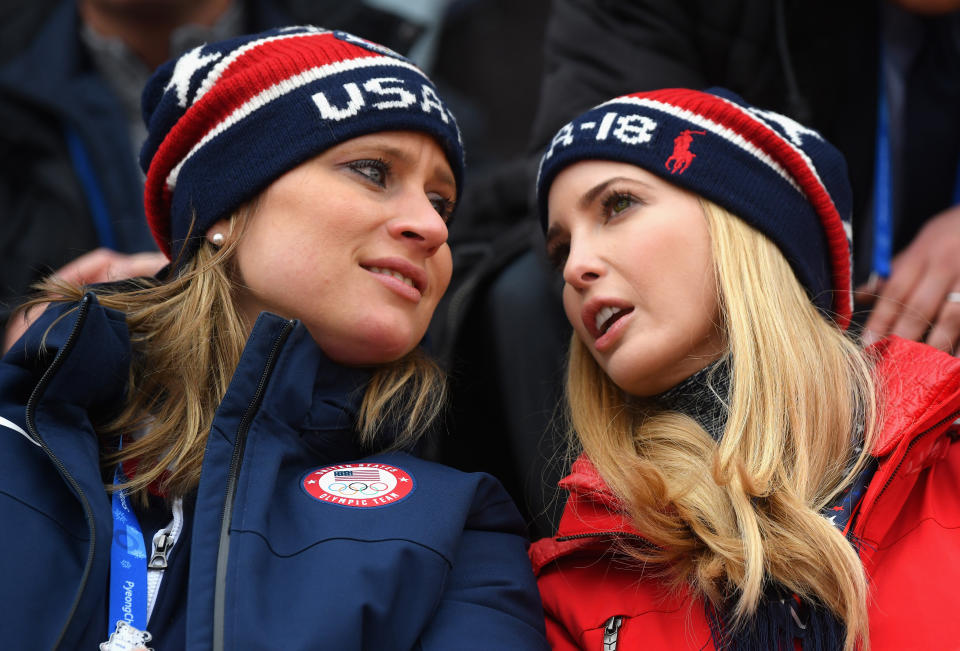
[[612, 329], [399, 275], [602, 314]]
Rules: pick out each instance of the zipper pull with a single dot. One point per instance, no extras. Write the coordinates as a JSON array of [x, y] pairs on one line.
[[611, 631], [161, 548], [164, 539]]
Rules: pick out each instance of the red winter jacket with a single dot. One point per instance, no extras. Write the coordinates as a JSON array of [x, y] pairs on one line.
[[909, 522]]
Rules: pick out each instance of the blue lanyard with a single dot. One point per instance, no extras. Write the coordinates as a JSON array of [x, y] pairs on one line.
[[96, 200], [128, 564], [883, 182]]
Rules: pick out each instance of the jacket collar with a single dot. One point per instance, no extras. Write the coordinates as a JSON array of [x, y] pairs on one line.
[[308, 391], [919, 386], [90, 346], [591, 517]]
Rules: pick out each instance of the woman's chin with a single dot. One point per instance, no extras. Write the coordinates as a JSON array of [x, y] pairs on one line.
[[371, 350]]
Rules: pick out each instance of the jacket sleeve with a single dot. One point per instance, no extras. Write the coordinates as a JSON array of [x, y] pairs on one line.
[[490, 600], [595, 50]]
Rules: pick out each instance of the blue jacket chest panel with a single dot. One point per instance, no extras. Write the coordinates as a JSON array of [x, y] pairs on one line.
[[270, 565]]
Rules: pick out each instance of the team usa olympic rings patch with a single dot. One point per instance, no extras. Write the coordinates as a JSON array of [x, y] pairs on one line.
[[359, 485]]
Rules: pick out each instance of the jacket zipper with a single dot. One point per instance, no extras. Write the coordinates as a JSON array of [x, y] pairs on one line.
[[951, 417], [611, 627], [163, 542], [611, 632], [858, 518], [606, 534], [35, 434], [223, 550]]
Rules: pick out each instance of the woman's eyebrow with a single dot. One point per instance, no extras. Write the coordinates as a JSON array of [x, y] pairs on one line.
[[407, 158], [590, 195]]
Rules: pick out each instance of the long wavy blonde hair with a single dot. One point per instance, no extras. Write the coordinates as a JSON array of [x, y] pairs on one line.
[[187, 335], [727, 516]]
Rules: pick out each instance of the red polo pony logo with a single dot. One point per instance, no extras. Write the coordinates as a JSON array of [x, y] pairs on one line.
[[681, 157]]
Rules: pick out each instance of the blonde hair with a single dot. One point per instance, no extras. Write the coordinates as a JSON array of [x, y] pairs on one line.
[[800, 391], [187, 336]]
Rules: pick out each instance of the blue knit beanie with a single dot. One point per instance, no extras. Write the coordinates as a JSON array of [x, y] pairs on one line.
[[226, 119], [782, 178]]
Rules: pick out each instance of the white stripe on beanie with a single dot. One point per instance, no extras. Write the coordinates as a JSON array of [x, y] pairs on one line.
[[728, 134], [278, 90]]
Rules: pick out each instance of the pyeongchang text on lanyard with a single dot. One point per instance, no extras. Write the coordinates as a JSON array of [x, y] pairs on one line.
[[127, 627]]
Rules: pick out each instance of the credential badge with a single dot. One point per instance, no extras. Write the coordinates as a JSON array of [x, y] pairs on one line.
[[126, 638]]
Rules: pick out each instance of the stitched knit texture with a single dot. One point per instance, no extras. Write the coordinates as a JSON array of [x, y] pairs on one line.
[[777, 175], [228, 118], [703, 397]]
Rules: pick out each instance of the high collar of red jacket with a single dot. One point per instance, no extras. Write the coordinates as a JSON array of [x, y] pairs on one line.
[[919, 387]]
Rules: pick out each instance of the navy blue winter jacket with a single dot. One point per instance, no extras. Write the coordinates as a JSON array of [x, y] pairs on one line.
[[270, 565]]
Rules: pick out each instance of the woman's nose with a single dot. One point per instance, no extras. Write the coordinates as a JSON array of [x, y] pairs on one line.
[[583, 266], [419, 223]]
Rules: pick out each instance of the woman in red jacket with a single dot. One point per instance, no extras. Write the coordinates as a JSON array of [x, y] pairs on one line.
[[750, 478]]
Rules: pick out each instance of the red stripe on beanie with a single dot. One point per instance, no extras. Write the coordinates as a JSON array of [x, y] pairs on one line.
[[256, 70], [297, 53]]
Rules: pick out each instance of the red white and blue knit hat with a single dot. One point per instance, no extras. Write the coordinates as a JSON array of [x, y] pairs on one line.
[[782, 178], [226, 119]]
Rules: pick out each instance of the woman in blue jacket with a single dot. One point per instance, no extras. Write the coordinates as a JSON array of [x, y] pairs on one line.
[[213, 459]]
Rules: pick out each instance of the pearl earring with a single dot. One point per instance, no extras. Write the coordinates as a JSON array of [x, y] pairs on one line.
[[217, 239]]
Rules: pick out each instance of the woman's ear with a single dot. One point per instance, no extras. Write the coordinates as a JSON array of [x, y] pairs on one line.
[[217, 234]]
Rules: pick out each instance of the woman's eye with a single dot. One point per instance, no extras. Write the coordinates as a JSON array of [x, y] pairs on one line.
[[375, 170], [442, 205], [617, 203]]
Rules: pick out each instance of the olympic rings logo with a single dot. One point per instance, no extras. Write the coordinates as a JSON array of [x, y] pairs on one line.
[[357, 487], [363, 485]]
